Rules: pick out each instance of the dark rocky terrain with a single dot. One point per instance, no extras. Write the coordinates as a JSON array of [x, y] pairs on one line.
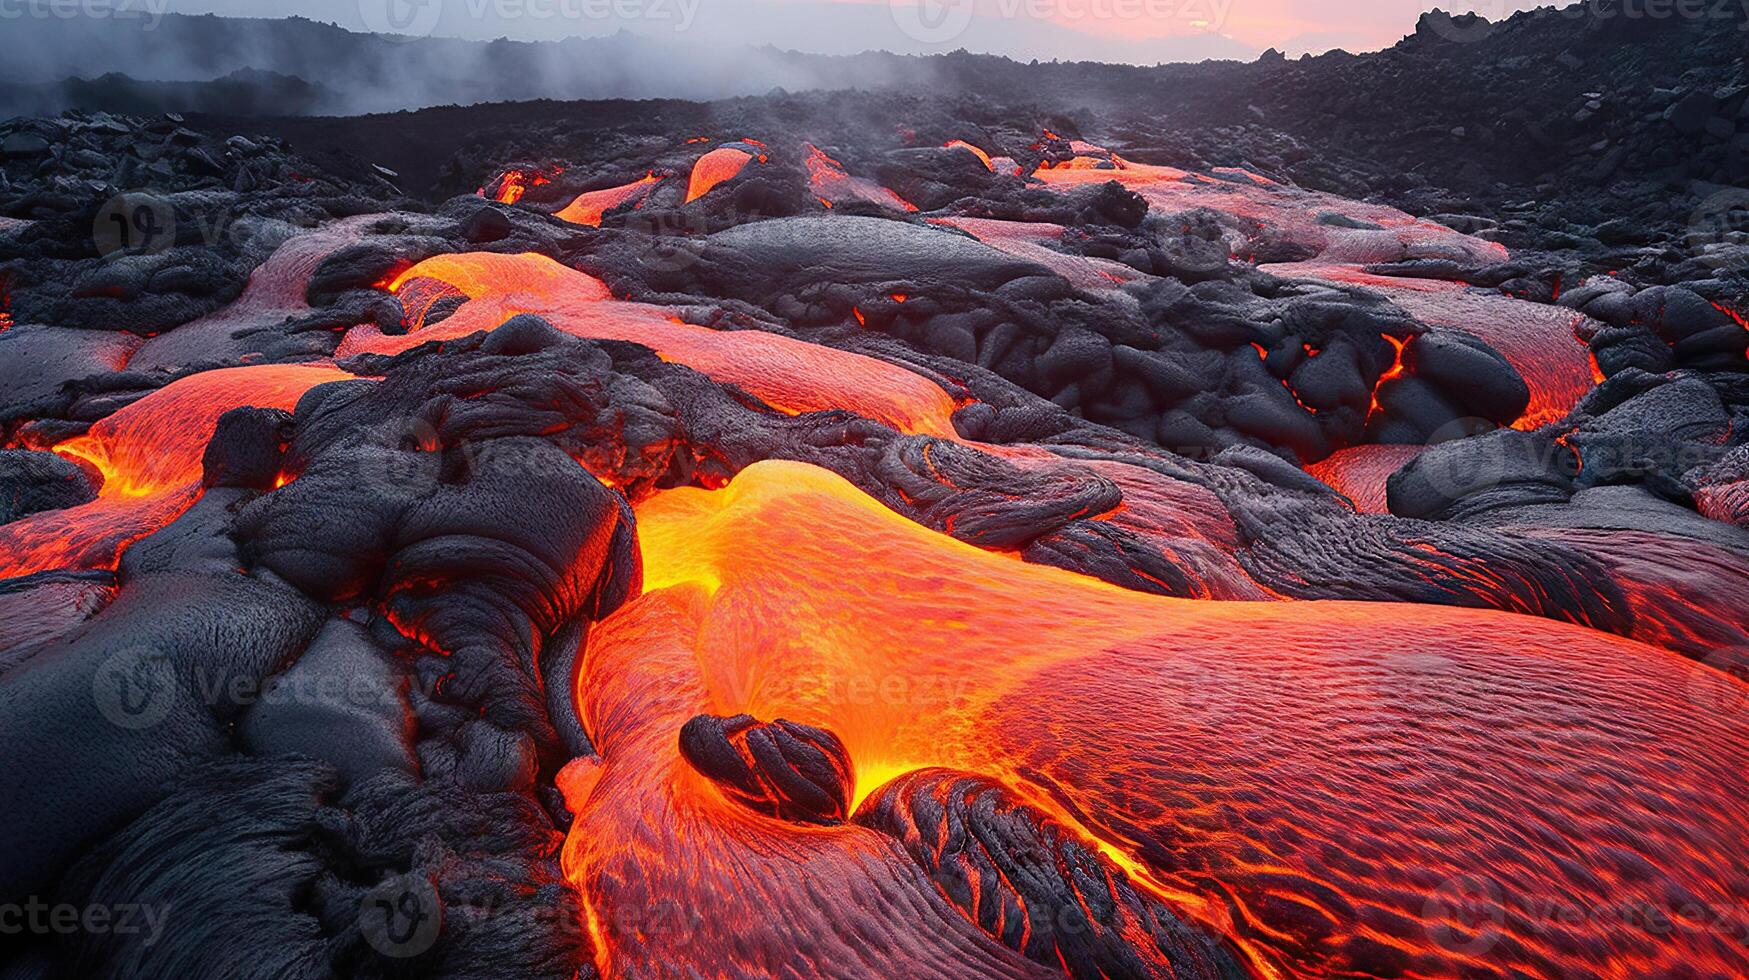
[[1620, 140], [466, 541]]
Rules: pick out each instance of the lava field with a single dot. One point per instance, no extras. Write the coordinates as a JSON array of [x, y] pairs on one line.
[[955, 549]]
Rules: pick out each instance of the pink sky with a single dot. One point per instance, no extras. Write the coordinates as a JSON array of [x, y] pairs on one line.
[[1354, 24], [1139, 31]]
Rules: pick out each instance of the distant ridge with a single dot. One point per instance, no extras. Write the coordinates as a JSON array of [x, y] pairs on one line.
[[91, 63]]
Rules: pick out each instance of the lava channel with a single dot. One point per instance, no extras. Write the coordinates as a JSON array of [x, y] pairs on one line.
[[1338, 789]]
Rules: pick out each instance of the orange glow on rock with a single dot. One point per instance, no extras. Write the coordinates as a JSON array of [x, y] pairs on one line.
[[1394, 371], [980, 154], [722, 164], [514, 184], [1359, 473], [1536, 339], [791, 375], [1337, 798], [589, 206], [1739, 318], [833, 186], [150, 456]]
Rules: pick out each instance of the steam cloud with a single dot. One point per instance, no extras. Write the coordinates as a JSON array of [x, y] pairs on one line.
[[144, 52]]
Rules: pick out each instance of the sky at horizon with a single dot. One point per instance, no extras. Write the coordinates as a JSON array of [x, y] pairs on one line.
[[1136, 31]]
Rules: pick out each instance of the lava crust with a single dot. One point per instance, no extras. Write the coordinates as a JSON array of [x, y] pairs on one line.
[[967, 548]]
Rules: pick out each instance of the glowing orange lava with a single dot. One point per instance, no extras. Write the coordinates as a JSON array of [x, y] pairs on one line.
[[722, 164], [150, 456], [1538, 340], [1736, 317], [791, 375], [1465, 793], [833, 186], [588, 207], [1394, 371], [983, 157], [1359, 473], [514, 184]]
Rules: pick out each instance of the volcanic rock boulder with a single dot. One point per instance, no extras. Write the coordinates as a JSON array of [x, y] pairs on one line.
[[782, 769], [31, 482], [1034, 885]]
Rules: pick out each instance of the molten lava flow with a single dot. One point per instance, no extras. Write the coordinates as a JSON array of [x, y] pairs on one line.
[[1737, 318], [513, 184], [1538, 340], [1086, 157], [1359, 473], [720, 165], [1031, 241], [275, 292], [529, 276], [833, 186], [1396, 370], [150, 456], [1464, 793], [1336, 230], [680, 880], [790, 375], [588, 207], [983, 157]]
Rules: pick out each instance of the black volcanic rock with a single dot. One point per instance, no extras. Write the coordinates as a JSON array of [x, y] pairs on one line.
[[31, 482], [782, 769], [361, 631], [1002, 861]]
